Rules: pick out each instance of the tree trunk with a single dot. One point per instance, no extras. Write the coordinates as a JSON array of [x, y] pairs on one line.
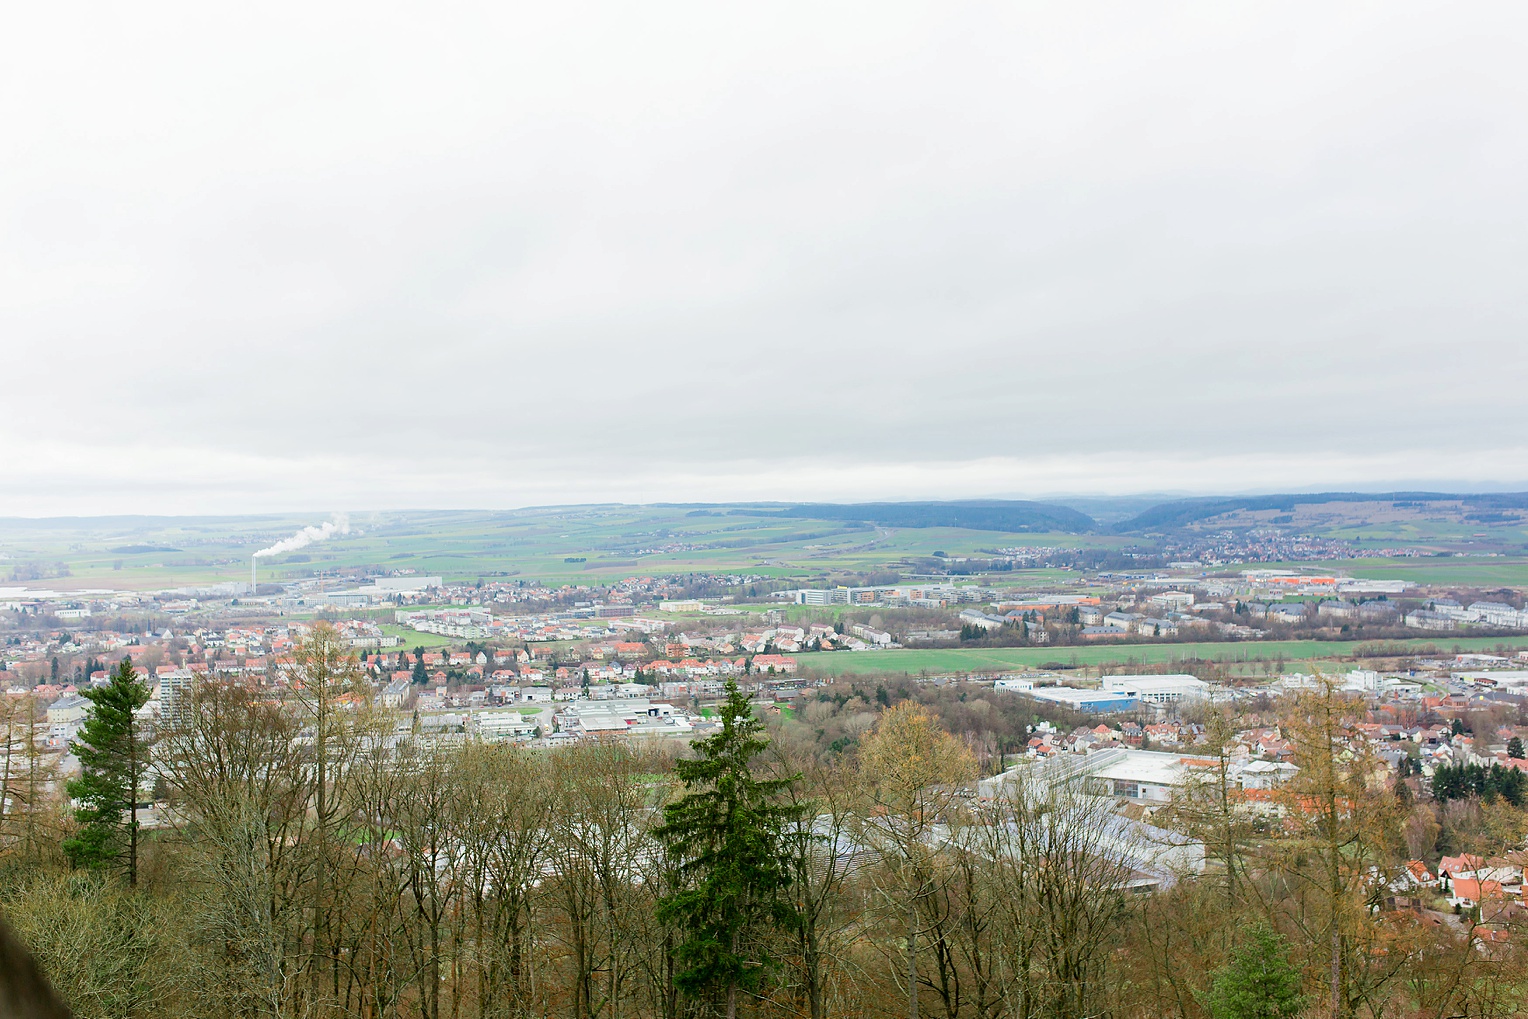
[[432, 999], [5, 782], [1336, 973], [318, 873], [132, 802], [613, 947], [732, 984], [813, 977], [912, 961]]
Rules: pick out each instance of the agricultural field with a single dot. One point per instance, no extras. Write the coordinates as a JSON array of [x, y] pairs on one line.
[[600, 543], [587, 544], [956, 660], [1471, 571]]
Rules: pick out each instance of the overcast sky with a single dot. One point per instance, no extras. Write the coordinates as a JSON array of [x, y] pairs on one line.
[[325, 256]]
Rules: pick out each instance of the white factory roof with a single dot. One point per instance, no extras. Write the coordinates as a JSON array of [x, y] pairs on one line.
[[1146, 766], [1072, 695], [1174, 681]]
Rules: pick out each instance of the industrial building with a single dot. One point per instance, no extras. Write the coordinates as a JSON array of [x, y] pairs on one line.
[[1158, 689], [633, 717], [1091, 701], [1145, 777]]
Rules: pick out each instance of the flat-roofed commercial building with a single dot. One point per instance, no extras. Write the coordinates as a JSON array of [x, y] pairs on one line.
[[1158, 689], [629, 716], [1147, 777], [1091, 701]]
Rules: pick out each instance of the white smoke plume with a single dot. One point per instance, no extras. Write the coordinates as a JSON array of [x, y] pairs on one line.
[[307, 536]]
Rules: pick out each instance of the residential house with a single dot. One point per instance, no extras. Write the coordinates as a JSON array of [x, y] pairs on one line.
[[1453, 868]]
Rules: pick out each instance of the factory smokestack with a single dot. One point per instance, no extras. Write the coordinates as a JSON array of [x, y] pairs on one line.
[[307, 536]]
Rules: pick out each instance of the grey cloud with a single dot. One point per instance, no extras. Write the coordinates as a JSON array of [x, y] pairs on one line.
[[655, 245]]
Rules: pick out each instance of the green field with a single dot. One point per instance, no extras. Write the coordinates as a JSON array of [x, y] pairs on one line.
[[606, 543], [413, 638], [911, 661], [598, 544], [1503, 571]]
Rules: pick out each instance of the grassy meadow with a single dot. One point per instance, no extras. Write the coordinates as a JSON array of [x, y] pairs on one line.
[[913, 661], [598, 544]]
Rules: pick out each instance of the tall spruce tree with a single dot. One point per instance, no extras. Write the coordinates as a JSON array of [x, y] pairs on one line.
[[1258, 982], [114, 755], [725, 836]]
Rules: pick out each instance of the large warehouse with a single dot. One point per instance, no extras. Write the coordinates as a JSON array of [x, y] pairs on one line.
[[1086, 700], [1157, 689]]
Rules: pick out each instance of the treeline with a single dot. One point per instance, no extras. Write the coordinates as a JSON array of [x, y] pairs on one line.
[[832, 720], [1485, 782], [314, 861]]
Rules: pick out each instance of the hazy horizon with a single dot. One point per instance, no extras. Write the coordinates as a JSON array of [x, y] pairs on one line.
[[1105, 508]]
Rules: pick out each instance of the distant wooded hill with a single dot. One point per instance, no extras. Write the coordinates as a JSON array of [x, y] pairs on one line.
[[1485, 508], [1020, 516], [977, 515]]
